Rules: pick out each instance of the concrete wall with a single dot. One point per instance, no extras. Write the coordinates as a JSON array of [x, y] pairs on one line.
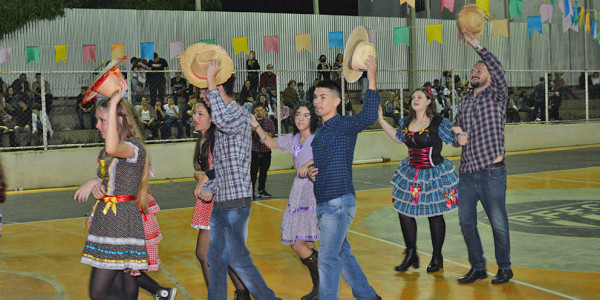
[[71, 167]]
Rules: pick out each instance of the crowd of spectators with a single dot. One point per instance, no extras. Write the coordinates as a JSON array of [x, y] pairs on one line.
[[164, 101]]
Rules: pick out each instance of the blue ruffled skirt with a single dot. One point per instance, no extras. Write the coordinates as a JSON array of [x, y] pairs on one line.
[[437, 189]]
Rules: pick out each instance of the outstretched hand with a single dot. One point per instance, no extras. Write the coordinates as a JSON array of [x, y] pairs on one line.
[[470, 38]]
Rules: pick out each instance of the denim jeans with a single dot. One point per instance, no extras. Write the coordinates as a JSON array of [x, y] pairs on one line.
[[228, 233], [489, 187], [335, 217]]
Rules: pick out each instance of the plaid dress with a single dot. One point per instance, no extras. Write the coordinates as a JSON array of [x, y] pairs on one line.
[[425, 182]]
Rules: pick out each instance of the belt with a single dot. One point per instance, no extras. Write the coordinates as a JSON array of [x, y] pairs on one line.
[[496, 165]]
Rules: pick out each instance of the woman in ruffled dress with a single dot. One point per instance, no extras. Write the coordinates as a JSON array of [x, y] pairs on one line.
[[299, 227], [425, 183], [204, 173], [121, 242]]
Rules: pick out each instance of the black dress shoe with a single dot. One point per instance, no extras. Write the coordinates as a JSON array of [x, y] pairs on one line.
[[503, 276], [473, 276]]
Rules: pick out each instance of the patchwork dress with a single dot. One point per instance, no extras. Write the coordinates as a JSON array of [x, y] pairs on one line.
[[299, 220], [203, 210], [425, 183], [116, 238]]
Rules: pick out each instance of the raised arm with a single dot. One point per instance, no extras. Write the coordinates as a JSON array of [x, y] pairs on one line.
[[497, 74], [229, 118], [265, 137], [113, 145], [389, 130], [368, 115]]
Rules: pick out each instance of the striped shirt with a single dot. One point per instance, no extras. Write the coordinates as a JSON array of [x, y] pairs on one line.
[[483, 117], [232, 153], [333, 150]]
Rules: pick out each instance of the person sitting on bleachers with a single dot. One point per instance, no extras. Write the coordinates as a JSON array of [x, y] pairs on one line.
[[179, 86], [23, 127], [161, 116], [187, 113], [290, 98], [173, 116], [512, 112], [246, 96], [21, 85], [36, 88], [7, 124], [39, 120], [87, 108], [148, 117]]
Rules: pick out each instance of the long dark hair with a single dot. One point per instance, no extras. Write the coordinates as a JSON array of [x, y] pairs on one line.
[[430, 112], [314, 119], [202, 150]]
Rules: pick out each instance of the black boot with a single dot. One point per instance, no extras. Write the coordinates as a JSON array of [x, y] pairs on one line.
[[410, 259], [241, 295], [437, 262], [312, 263]]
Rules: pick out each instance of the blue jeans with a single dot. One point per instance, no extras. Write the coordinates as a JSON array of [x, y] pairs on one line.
[[335, 217], [228, 233], [489, 187], [169, 123]]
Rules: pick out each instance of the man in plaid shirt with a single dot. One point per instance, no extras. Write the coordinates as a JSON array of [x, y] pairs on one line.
[[333, 152], [233, 192], [479, 128]]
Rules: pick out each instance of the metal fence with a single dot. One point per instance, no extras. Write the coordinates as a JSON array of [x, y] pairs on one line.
[[58, 120]]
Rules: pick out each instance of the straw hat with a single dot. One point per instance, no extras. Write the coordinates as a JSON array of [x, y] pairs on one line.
[[472, 19], [194, 62], [107, 83], [357, 50]]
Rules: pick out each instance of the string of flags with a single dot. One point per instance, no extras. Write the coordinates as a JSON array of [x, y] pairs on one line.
[[574, 17]]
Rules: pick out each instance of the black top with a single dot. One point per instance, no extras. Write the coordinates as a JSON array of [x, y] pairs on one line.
[[429, 137]]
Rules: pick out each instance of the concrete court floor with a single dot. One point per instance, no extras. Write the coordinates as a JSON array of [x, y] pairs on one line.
[[553, 204]]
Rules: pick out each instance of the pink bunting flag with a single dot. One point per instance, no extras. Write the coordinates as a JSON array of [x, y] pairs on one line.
[[271, 43], [448, 4], [5, 54], [176, 48], [89, 52], [546, 12]]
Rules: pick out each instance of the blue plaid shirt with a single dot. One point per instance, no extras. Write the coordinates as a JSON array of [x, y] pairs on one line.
[[232, 153], [483, 118], [333, 150]]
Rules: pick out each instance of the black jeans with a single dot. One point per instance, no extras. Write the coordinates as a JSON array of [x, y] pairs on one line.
[[261, 162]]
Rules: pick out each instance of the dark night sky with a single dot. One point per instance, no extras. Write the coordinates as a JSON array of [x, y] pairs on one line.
[[326, 7]]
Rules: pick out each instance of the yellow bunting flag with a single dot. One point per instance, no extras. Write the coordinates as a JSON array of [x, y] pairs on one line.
[[581, 14], [484, 4], [117, 51], [303, 42], [240, 45], [500, 26], [410, 2], [588, 27], [434, 33], [61, 53]]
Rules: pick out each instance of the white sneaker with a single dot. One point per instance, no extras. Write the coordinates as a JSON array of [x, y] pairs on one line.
[[166, 294], [538, 119]]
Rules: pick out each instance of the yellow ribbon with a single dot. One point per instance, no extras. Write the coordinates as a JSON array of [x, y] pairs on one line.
[[111, 203], [102, 166]]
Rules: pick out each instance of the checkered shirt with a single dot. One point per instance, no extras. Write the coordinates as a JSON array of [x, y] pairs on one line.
[[483, 117], [268, 126], [333, 150], [231, 156]]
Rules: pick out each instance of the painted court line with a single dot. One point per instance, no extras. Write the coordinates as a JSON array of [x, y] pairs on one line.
[[445, 259], [57, 287]]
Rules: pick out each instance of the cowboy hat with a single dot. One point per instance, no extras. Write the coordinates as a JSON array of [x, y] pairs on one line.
[[107, 83], [357, 50], [194, 62]]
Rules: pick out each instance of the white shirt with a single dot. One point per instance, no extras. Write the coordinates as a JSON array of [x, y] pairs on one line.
[[171, 111]]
